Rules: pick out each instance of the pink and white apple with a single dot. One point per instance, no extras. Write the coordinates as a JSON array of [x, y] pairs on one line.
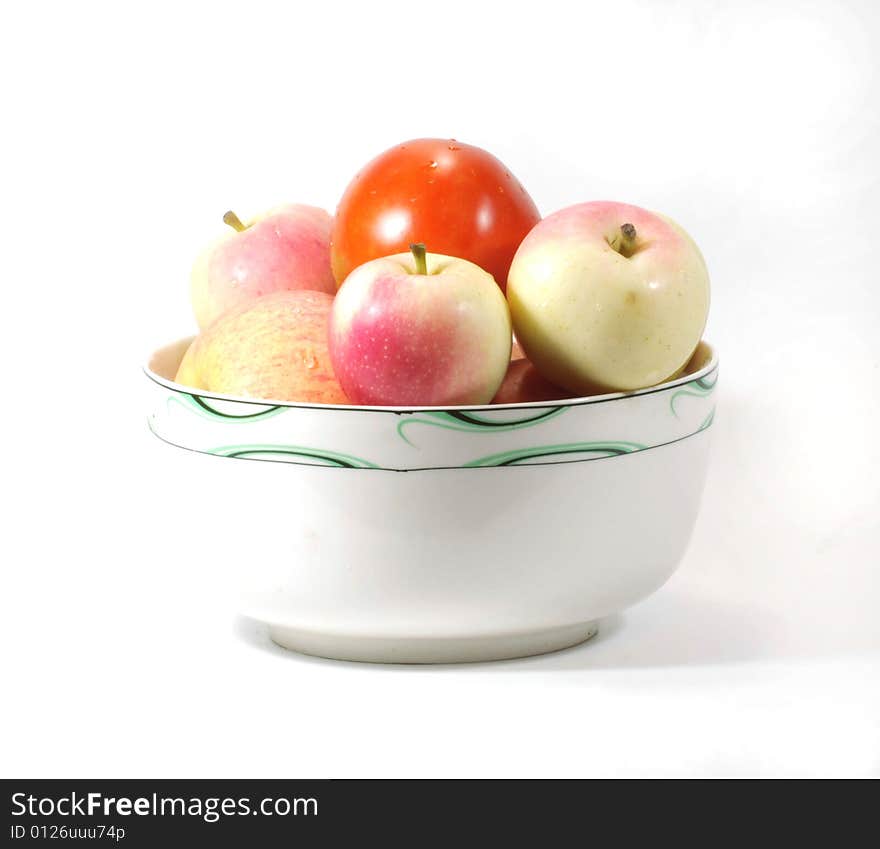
[[608, 295], [284, 249], [420, 329], [272, 348]]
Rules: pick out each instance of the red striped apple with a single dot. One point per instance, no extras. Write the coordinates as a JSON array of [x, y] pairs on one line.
[[608, 295], [524, 383], [516, 351], [284, 249], [420, 329], [272, 348]]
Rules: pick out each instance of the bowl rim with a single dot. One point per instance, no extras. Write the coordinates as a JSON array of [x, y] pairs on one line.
[[707, 369]]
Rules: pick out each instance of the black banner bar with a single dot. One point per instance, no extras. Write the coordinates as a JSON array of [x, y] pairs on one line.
[[136, 813]]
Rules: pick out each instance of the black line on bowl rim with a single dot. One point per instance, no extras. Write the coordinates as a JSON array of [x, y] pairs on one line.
[[353, 408], [430, 468]]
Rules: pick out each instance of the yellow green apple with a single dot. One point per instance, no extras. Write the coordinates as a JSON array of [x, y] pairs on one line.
[[608, 295]]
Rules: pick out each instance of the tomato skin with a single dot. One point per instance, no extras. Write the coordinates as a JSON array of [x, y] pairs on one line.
[[457, 199]]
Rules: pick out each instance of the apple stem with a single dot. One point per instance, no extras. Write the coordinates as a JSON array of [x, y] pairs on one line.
[[418, 252], [624, 242], [233, 221]]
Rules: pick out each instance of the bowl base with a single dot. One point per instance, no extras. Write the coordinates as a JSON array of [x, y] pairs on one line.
[[432, 649]]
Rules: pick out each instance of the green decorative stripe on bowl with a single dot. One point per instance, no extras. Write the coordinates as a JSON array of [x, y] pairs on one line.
[[602, 449], [324, 457], [203, 408], [467, 421], [390, 439], [700, 388], [707, 422]]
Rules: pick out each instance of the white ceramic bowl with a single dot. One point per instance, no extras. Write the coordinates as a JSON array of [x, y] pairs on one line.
[[470, 533]]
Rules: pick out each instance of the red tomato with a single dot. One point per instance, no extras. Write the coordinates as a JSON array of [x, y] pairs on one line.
[[457, 199]]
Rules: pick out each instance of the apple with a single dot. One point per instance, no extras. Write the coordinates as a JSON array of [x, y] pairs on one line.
[[516, 351], [284, 249], [420, 329], [608, 295], [272, 348], [524, 383]]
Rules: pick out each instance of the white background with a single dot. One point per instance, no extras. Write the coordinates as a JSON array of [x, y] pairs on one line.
[[130, 129]]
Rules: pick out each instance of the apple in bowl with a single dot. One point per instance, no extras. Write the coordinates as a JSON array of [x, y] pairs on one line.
[[419, 329], [523, 384], [274, 347], [608, 295], [284, 249]]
